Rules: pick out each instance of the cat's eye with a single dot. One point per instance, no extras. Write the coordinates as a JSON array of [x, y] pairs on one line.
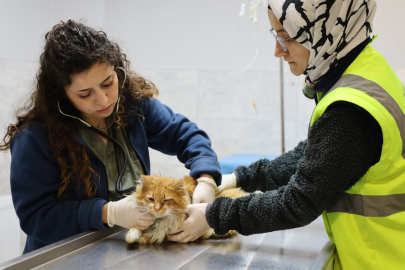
[[151, 199], [166, 200]]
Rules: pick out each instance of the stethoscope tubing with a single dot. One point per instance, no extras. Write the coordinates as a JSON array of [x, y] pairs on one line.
[[118, 185]]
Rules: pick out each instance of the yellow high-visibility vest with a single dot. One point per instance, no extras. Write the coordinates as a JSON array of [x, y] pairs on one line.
[[367, 222]]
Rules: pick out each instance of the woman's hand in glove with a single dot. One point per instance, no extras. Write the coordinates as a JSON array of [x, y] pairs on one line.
[[228, 181], [194, 226], [205, 190], [126, 214]]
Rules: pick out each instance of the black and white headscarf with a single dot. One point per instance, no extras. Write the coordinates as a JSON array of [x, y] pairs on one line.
[[330, 29]]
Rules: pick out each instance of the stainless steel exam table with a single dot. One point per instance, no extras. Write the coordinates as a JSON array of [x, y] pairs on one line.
[[302, 248]]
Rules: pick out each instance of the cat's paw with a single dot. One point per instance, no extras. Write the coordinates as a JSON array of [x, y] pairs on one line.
[[208, 234], [133, 235], [145, 240]]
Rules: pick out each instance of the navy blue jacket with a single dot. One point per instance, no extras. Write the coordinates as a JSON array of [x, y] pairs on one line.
[[35, 175]]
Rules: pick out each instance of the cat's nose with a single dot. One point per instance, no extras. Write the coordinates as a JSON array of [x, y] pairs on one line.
[[157, 209]]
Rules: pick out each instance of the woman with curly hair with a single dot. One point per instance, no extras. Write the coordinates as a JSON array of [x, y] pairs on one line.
[[64, 164]]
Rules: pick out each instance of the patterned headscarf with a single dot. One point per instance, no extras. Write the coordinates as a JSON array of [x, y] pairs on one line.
[[329, 29]]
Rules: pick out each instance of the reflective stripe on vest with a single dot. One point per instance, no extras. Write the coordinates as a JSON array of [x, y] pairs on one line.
[[369, 206], [366, 205], [374, 90], [367, 221]]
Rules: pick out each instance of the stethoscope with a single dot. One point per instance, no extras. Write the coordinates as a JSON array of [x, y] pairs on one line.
[[118, 185]]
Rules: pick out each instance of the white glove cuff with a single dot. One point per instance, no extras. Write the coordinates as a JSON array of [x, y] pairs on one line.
[[110, 217], [208, 181], [234, 177]]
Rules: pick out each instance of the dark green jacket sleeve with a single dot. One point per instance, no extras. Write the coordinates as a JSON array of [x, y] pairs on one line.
[[267, 174], [341, 147]]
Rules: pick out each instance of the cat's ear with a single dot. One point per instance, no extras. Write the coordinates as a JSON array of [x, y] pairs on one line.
[[178, 184], [145, 180]]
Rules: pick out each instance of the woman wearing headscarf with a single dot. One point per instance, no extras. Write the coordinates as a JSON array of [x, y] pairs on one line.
[[351, 169]]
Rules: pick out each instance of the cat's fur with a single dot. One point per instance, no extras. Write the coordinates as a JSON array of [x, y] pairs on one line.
[[167, 199]]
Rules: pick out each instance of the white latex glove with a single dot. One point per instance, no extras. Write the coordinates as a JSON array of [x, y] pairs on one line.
[[228, 181], [204, 192], [126, 214], [194, 226]]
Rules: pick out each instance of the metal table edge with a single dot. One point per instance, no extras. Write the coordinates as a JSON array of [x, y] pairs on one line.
[[58, 249], [323, 256]]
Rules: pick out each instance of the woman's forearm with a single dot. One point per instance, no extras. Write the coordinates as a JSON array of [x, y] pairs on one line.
[[340, 136], [104, 214], [267, 174]]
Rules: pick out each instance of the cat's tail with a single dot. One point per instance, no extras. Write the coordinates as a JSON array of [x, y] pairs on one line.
[[232, 193], [211, 234]]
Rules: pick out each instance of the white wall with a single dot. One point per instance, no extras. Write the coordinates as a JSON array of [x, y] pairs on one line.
[[171, 34], [156, 34]]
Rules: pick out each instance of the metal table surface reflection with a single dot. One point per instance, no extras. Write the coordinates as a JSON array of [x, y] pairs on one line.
[[290, 249]]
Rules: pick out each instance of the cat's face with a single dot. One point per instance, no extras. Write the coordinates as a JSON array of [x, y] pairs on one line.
[[162, 196]]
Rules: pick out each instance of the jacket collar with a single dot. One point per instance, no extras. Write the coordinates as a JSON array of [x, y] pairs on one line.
[[329, 80]]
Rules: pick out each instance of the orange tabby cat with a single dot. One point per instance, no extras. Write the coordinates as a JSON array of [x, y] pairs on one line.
[[167, 200]]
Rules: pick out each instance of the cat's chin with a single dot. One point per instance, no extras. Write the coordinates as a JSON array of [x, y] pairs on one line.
[[159, 215]]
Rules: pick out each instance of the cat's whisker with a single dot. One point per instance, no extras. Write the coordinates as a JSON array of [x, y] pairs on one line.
[[176, 215], [172, 215], [174, 218]]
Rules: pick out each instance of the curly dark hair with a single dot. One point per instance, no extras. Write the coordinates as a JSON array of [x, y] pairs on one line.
[[71, 48]]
